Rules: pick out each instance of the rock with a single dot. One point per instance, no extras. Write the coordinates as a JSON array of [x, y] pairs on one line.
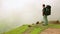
[[57, 22], [29, 26], [37, 22]]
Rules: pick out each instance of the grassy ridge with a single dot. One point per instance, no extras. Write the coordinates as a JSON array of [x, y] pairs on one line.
[[36, 30], [19, 30]]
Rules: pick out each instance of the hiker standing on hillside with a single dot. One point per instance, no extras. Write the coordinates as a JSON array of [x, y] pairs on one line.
[[45, 12]]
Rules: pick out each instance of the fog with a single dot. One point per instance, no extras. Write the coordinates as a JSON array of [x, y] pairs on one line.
[[14, 13]]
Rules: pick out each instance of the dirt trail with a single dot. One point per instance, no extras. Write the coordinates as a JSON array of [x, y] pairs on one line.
[[51, 31]]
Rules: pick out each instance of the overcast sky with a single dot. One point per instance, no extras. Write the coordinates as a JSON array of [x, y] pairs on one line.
[[17, 12]]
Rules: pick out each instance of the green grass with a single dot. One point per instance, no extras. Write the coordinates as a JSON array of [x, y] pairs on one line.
[[19, 30], [36, 30], [54, 25]]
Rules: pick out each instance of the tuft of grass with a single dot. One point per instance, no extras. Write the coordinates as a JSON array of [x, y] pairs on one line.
[[18, 30]]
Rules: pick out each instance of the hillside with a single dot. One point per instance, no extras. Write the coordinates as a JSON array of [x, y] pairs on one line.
[[33, 28]]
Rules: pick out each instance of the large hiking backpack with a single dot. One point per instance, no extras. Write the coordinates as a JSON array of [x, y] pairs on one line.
[[48, 10]]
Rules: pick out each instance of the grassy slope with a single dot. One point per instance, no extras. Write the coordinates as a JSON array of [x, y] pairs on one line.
[[40, 29], [54, 25], [36, 29], [19, 30]]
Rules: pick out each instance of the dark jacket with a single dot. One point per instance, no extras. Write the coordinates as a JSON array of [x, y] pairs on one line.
[[44, 11]]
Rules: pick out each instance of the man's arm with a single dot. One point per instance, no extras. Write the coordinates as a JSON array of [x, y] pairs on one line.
[[43, 11]]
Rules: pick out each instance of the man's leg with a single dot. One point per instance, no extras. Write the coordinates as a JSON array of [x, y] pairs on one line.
[[45, 20]]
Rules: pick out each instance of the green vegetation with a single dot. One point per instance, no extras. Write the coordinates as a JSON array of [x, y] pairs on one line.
[[19, 30], [41, 28], [54, 25], [37, 29]]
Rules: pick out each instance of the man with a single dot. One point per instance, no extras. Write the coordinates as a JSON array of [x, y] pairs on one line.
[[45, 20]]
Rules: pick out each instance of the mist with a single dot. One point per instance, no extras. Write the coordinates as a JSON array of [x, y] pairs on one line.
[[14, 13]]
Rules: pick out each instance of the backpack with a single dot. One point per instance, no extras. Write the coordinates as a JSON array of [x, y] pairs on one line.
[[48, 10]]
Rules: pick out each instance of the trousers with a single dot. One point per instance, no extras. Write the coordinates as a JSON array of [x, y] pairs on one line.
[[45, 20]]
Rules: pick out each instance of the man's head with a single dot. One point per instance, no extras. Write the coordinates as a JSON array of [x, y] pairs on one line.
[[43, 5]]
